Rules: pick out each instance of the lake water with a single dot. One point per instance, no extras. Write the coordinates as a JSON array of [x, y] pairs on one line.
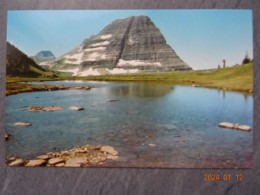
[[152, 125]]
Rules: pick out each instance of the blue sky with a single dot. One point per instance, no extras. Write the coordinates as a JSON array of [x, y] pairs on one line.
[[202, 38]]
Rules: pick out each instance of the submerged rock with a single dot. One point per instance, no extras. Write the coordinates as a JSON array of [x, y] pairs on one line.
[[113, 100], [35, 163], [46, 109], [22, 124], [76, 108]]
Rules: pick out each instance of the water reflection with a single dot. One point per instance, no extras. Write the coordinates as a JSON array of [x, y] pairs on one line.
[[143, 90]]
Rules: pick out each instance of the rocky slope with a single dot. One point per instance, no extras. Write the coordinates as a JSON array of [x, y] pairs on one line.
[[129, 45], [43, 56], [19, 64]]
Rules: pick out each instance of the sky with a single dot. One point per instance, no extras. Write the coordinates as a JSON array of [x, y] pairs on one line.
[[202, 38]]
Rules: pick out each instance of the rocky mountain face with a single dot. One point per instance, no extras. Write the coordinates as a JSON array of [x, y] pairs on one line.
[[127, 45], [43, 56]]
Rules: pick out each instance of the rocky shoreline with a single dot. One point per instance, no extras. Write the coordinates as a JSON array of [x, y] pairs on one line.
[[80, 156]]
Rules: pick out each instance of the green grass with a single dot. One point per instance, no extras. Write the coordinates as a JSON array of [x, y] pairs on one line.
[[237, 78]]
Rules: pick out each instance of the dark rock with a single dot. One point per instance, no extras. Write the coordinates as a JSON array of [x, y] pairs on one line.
[[7, 136]]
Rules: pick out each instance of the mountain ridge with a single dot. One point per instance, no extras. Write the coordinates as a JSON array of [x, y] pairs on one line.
[[128, 45]]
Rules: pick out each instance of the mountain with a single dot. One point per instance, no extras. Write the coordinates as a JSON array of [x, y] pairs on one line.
[[128, 45], [43, 56], [19, 64]]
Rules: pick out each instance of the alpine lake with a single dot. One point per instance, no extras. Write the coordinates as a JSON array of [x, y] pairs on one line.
[[150, 124]]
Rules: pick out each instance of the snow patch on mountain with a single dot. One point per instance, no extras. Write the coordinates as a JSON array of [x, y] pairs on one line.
[[122, 63], [100, 44], [108, 36]]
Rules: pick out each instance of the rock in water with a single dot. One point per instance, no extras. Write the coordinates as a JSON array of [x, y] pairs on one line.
[[129, 45], [235, 126], [76, 108], [22, 124], [109, 150], [226, 125]]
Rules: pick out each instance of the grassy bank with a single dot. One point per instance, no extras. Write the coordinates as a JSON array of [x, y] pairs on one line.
[[237, 78]]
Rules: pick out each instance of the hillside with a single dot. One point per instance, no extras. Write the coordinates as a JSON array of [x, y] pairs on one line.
[[19, 64]]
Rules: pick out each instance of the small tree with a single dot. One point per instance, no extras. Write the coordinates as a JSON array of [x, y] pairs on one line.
[[246, 59]]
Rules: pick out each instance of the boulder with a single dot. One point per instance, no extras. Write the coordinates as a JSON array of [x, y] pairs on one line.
[[35, 163], [54, 161], [152, 145], [109, 150], [76, 108], [17, 162], [22, 124]]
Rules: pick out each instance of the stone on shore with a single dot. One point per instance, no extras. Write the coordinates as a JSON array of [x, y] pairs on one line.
[[54, 161], [194, 85], [76, 161], [17, 162], [35, 163], [109, 150], [76, 108], [44, 157], [152, 145], [60, 164], [22, 124]]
